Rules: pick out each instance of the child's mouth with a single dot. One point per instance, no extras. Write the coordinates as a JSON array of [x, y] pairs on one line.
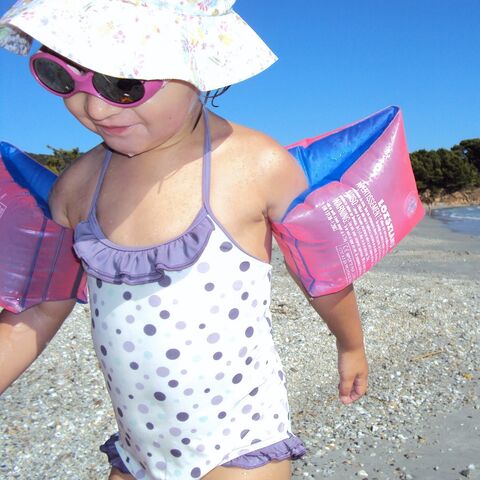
[[113, 130]]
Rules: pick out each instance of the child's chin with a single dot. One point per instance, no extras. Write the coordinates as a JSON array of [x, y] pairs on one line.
[[127, 152], [128, 146]]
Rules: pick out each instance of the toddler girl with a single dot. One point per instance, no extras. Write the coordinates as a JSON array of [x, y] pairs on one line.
[[172, 215]]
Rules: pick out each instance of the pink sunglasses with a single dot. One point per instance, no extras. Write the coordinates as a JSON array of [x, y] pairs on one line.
[[63, 79]]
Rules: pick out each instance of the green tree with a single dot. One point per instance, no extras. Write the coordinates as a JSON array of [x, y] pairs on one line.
[[427, 168], [470, 149], [458, 172], [444, 170], [59, 160]]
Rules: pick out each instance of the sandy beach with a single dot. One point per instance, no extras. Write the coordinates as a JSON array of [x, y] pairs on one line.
[[420, 420]]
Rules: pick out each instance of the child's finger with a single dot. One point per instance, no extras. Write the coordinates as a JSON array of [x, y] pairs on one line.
[[345, 389], [350, 391], [361, 385], [358, 391]]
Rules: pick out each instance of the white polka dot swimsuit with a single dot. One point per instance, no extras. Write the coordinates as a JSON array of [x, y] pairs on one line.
[[186, 351]]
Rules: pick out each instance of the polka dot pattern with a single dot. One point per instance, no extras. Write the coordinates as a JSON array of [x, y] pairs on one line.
[[226, 246], [213, 338], [172, 354], [244, 266], [154, 300], [161, 397], [188, 373], [203, 267], [165, 281], [150, 330]]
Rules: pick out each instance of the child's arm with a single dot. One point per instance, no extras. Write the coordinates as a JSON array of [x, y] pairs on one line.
[[339, 310], [23, 336], [340, 313]]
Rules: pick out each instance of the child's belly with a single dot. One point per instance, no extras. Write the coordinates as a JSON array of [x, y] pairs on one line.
[[194, 378]]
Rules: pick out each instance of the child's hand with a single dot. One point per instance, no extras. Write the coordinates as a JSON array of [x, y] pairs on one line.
[[353, 370]]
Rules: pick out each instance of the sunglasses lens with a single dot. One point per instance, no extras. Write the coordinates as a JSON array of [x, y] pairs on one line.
[[119, 90], [53, 76]]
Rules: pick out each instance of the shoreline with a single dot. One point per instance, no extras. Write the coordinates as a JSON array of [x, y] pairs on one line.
[[458, 218], [462, 198], [420, 310]]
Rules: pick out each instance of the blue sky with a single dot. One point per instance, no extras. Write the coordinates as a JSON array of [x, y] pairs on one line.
[[340, 60]]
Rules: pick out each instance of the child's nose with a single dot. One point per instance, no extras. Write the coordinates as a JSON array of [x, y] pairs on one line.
[[98, 109]]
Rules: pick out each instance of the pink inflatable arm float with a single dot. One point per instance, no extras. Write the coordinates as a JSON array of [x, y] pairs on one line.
[[361, 202], [37, 262]]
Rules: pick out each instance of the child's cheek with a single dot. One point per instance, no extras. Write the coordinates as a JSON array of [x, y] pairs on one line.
[[76, 106]]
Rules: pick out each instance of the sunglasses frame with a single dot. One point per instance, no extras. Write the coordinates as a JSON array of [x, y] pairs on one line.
[[83, 82]]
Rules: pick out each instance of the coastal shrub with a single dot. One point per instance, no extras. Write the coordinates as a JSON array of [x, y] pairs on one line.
[[445, 170], [469, 149], [458, 172], [59, 160], [427, 170]]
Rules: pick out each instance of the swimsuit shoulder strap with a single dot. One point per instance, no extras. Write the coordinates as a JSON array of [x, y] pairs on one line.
[[207, 160], [103, 170]]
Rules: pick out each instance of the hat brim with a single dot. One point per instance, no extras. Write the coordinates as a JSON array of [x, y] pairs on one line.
[[130, 40]]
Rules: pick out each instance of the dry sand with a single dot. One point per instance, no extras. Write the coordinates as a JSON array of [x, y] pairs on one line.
[[421, 311], [420, 420]]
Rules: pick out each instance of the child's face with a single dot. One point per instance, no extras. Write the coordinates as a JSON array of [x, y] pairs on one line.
[[161, 121]]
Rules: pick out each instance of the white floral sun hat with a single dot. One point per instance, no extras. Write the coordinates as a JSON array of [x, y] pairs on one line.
[[202, 42]]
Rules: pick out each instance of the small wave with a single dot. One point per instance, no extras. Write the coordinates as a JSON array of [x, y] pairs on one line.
[[460, 219]]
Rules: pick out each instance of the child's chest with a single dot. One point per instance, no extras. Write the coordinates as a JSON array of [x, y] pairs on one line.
[[137, 208]]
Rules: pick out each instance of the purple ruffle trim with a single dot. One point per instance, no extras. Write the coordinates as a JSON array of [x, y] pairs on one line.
[[291, 448], [135, 266], [112, 453]]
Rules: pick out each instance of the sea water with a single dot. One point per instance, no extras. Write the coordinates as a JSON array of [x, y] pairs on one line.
[[460, 219]]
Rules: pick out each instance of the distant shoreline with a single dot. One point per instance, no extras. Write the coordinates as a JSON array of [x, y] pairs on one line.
[[463, 219], [466, 198]]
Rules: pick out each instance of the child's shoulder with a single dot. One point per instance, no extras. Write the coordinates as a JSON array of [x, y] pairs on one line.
[[73, 186], [267, 165], [247, 143]]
